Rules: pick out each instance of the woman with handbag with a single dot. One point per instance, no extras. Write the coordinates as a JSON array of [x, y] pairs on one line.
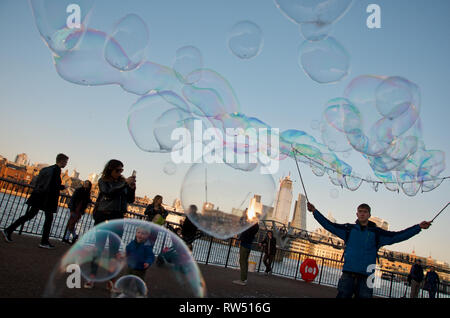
[[114, 195], [155, 212]]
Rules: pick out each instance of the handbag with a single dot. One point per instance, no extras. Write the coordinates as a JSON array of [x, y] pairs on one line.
[[103, 205], [158, 219]]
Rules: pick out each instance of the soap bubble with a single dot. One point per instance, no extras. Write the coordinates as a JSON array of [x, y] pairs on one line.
[[170, 168], [245, 39], [395, 95], [222, 194], [212, 94], [126, 46], [153, 118], [130, 286], [314, 31], [172, 271], [97, 253], [56, 22], [187, 60], [324, 61], [307, 11]]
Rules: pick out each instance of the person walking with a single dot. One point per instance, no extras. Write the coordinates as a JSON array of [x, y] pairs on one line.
[[416, 275], [269, 245], [44, 197], [431, 282], [115, 194], [77, 205], [245, 248], [362, 241], [188, 229]]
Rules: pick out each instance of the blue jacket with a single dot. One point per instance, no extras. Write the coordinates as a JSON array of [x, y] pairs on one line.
[[138, 254], [361, 247]]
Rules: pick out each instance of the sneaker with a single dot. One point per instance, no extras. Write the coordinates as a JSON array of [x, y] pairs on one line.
[[240, 282], [89, 285], [47, 246], [6, 236]]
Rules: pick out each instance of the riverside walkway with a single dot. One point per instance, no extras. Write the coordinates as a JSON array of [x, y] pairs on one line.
[[25, 270]]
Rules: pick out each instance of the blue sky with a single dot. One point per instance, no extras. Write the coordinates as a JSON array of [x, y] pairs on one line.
[[42, 114]]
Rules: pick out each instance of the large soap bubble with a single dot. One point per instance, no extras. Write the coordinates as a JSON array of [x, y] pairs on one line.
[[306, 11], [324, 61], [245, 39], [126, 46], [187, 60], [222, 194], [116, 249], [58, 23], [154, 117]]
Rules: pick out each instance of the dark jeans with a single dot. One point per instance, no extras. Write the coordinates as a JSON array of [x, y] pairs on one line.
[[100, 242], [74, 218], [244, 254], [267, 260], [432, 293], [353, 284], [31, 213]]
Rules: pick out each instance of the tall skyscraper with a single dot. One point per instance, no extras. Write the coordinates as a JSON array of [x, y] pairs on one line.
[[283, 201], [299, 218]]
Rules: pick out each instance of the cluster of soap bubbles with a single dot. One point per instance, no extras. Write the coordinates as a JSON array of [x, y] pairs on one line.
[[379, 117], [321, 56], [191, 98], [108, 252]]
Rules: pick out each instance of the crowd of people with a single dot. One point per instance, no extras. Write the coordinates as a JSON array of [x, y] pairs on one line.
[[362, 239]]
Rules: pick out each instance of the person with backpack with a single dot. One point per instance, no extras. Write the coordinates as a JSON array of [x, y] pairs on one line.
[[416, 277], [362, 241]]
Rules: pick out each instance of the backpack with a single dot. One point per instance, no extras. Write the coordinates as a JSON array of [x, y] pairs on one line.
[[348, 228]]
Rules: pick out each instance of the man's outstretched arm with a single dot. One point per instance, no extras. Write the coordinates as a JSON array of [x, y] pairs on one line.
[[388, 237], [337, 229]]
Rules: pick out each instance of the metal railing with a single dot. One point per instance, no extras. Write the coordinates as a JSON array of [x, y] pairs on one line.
[[206, 250]]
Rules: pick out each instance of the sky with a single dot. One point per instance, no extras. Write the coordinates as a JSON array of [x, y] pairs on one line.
[[42, 114]]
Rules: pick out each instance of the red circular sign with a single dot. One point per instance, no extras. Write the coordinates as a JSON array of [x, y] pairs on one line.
[[309, 270]]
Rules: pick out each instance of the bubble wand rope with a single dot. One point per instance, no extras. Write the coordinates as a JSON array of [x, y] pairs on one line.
[[440, 211], [301, 179]]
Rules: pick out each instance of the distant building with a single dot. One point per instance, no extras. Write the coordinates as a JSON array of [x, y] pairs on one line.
[[268, 212], [380, 222], [75, 174], [283, 201], [21, 159], [299, 218], [177, 205], [93, 177]]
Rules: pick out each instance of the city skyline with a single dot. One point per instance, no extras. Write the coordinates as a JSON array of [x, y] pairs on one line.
[[43, 114]]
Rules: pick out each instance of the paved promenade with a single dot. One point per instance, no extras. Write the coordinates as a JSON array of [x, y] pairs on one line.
[[25, 269]]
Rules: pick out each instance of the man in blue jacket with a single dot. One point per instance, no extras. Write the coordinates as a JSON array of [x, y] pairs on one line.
[[362, 241]]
